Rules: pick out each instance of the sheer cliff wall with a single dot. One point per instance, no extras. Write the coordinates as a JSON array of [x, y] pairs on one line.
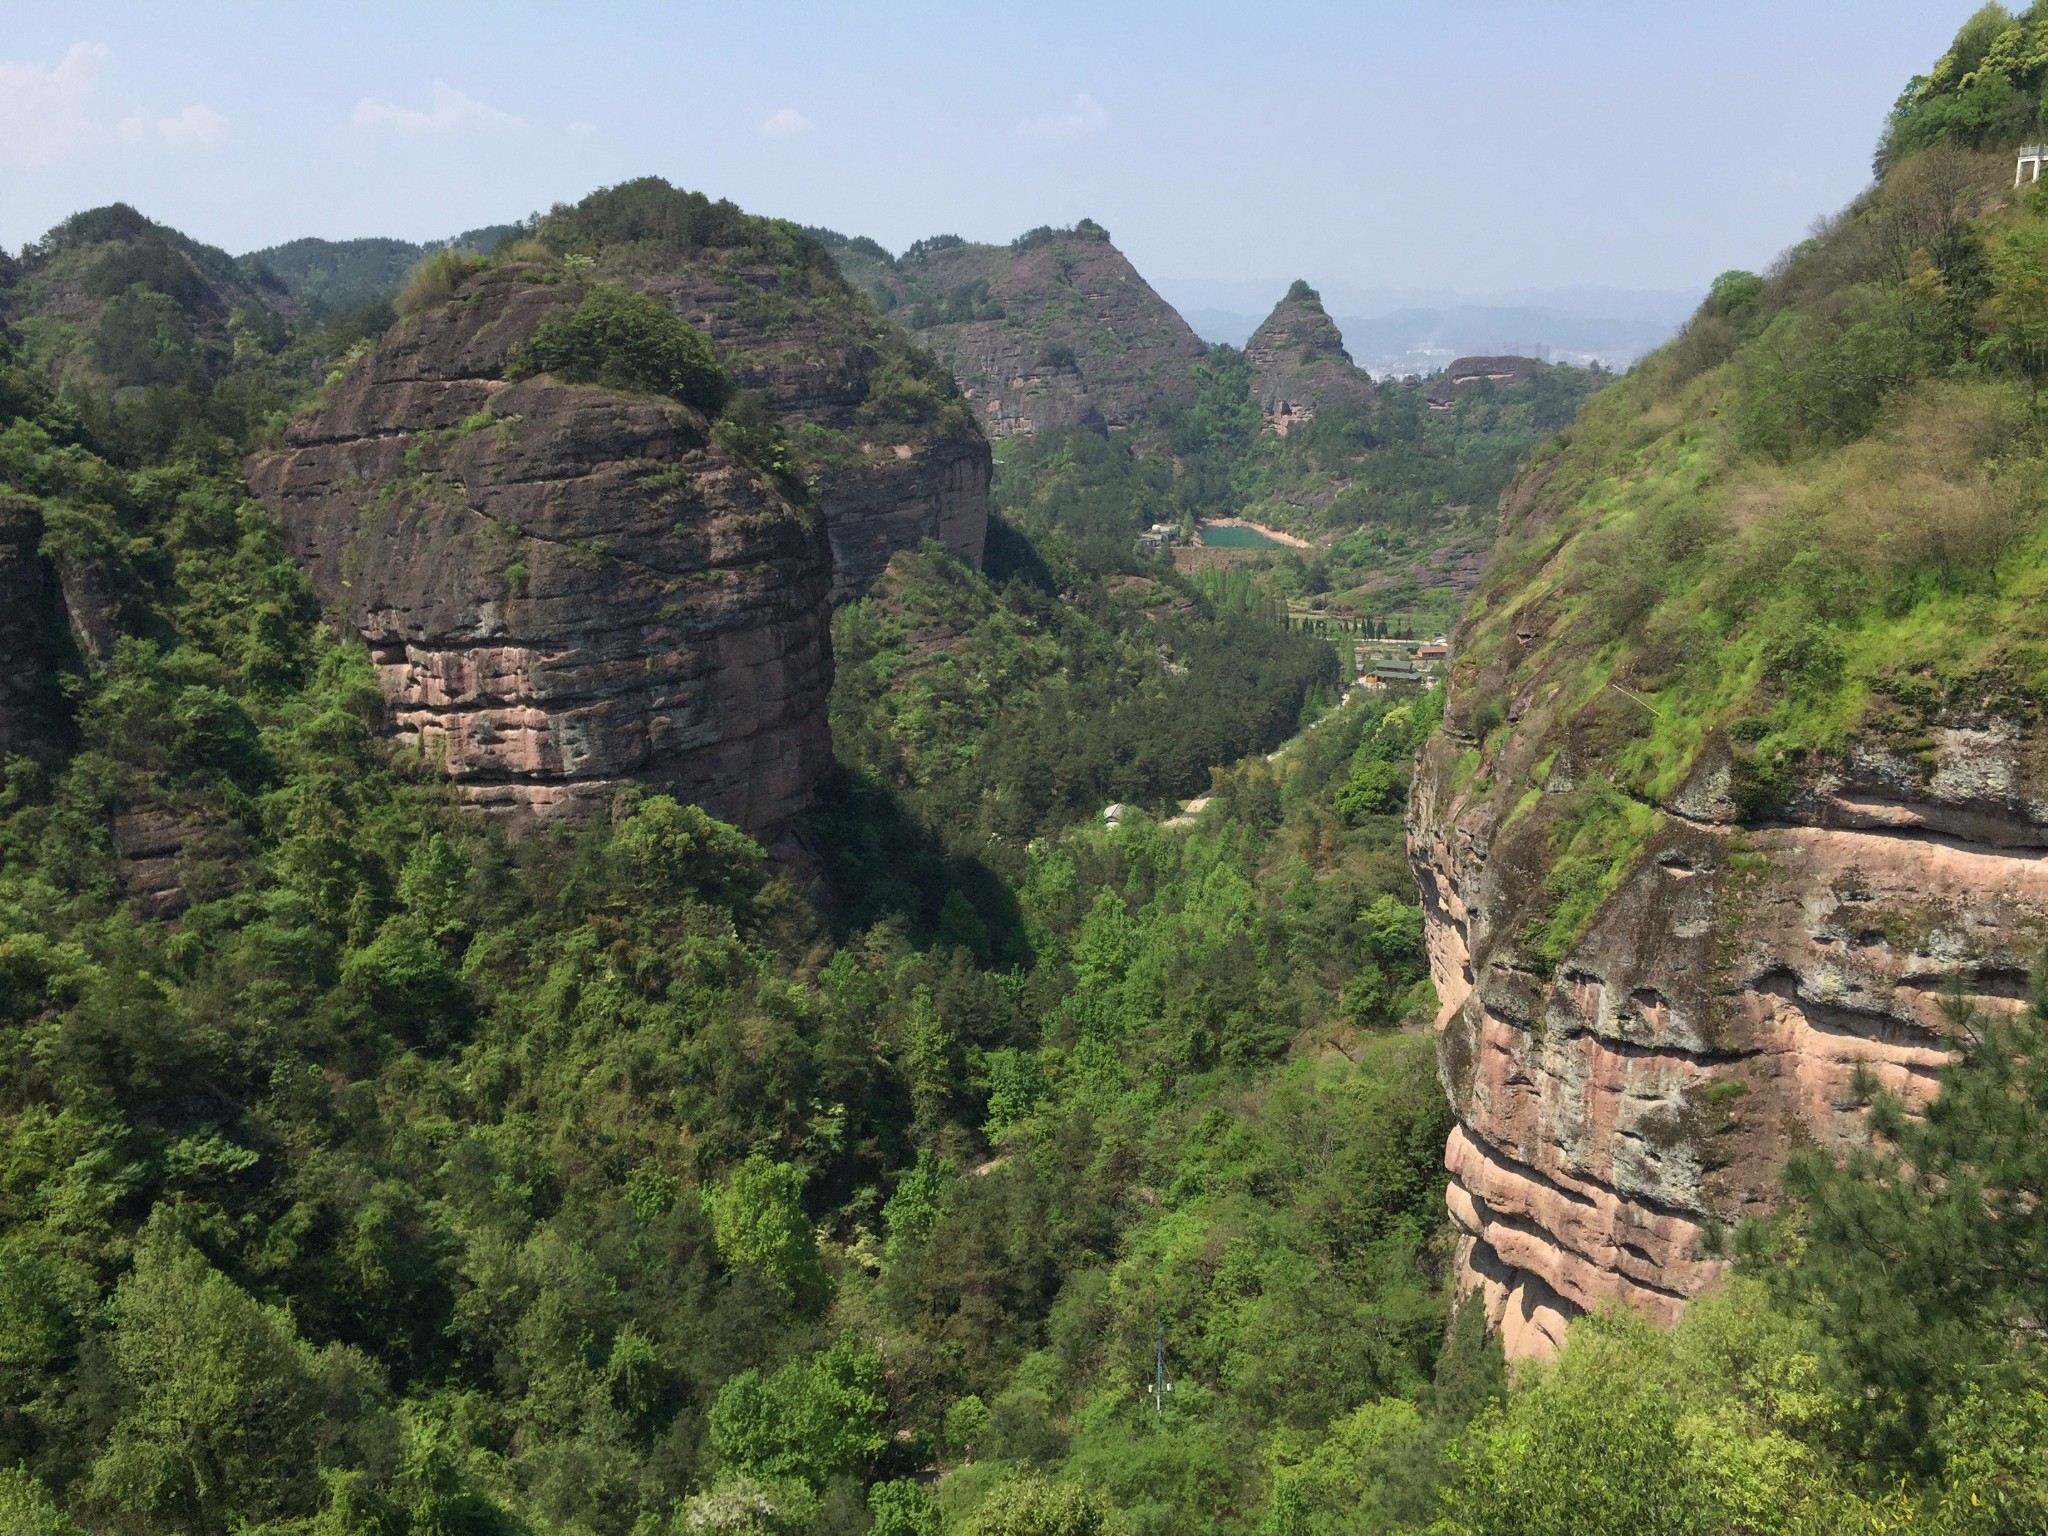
[[1742, 964], [563, 588], [567, 587]]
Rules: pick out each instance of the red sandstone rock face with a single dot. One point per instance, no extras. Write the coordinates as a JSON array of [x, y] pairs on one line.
[[563, 588], [1718, 1011], [936, 491]]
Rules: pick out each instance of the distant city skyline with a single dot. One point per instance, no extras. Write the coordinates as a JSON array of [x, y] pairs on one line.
[[1530, 146]]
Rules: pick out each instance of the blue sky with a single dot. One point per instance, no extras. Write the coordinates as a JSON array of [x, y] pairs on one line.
[[1478, 147]]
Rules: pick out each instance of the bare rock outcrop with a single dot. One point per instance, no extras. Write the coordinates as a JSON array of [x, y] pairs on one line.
[[826, 359], [1299, 364], [1056, 329], [1726, 1000], [564, 588]]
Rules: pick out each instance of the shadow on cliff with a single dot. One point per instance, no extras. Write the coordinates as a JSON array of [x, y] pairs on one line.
[[881, 863]]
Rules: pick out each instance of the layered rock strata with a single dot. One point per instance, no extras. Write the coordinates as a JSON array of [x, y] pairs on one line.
[[1732, 999], [821, 362], [1299, 364], [564, 588]]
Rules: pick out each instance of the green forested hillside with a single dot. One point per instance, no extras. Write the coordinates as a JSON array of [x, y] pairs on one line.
[[393, 1177], [1394, 495], [1396, 498], [332, 277], [1817, 515]]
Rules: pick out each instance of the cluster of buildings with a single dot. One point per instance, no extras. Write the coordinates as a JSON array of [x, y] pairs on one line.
[[1418, 669]]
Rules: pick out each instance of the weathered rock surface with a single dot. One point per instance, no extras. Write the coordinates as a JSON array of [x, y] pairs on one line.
[[564, 588], [1468, 373], [1720, 1007], [1055, 330], [1299, 364], [820, 363]]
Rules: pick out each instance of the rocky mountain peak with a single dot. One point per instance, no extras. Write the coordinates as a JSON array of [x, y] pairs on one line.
[[1055, 329], [1299, 364]]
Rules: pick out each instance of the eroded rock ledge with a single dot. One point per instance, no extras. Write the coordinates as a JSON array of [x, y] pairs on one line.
[[1717, 1011]]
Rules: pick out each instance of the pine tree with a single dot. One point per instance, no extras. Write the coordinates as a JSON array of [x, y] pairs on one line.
[[1926, 1255]]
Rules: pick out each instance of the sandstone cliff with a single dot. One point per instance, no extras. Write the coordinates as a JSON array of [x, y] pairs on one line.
[[893, 465], [1713, 1016], [1740, 807], [898, 462], [1299, 364], [567, 587], [1056, 329], [564, 588]]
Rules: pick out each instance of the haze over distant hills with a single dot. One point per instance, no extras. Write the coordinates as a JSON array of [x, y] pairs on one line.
[[1418, 330]]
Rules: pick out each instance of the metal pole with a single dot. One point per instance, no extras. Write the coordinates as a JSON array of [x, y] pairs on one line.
[[1159, 1375]]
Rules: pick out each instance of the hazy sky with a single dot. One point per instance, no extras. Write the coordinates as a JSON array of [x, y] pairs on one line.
[[1474, 146]]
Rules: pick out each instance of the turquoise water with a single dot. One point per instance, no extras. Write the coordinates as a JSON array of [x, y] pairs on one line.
[[1237, 538]]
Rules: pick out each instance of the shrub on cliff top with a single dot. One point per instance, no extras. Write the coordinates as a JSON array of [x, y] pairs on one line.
[[436, 278], [626, 339]]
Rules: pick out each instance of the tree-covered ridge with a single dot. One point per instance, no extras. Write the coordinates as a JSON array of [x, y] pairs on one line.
[[417, 1181], [1984, 93], [158, 335], [1393, 496], [332, 277], [1397, 498], [1009, 707]]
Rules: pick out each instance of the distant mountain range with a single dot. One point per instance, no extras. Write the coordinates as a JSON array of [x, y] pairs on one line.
[[1408, 331]]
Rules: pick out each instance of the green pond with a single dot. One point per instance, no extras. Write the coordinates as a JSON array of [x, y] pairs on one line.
[[1236, 538]]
